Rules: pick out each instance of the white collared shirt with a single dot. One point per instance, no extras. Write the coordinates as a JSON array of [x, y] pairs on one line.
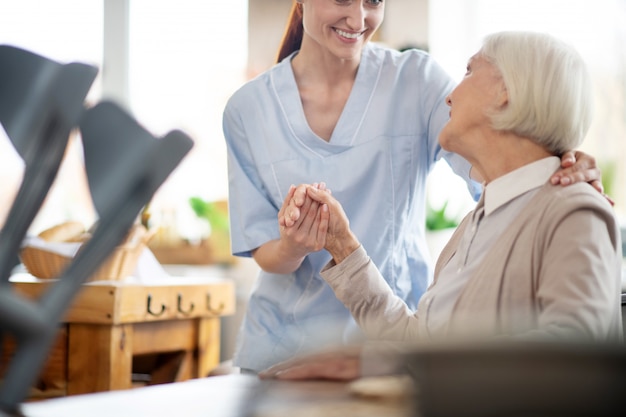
[[501, 202]]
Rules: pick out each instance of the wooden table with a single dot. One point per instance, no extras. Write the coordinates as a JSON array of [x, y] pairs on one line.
[[113, 327], [232, 395]]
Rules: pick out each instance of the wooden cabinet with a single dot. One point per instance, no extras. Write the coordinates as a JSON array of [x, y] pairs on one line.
[[110, 325]]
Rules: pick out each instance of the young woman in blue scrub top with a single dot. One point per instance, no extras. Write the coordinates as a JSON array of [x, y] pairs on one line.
[[363, 119]]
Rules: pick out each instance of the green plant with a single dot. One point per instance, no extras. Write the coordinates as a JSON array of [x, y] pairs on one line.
[[609, 171], [209, 210], [437, 219]]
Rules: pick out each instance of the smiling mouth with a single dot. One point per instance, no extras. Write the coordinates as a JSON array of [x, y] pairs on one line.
[[348, 34]]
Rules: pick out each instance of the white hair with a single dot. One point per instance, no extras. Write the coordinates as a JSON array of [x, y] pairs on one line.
[[550, 98]]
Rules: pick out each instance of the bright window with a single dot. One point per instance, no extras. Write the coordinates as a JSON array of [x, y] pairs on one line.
[[63, 30], [186, 57]]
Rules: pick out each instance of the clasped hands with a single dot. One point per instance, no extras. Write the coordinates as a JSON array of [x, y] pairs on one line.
[[312, 219]]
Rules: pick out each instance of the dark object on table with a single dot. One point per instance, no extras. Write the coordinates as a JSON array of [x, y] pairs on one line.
[[519, 379]]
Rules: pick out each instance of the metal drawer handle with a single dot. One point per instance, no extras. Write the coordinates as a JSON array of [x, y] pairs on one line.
[[211, 309], [180, 306], [149, 309]]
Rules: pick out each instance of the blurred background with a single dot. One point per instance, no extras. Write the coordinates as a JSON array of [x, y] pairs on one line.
[[173, 64]]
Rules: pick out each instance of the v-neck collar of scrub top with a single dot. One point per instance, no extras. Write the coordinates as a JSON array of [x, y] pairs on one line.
[[353, 113]]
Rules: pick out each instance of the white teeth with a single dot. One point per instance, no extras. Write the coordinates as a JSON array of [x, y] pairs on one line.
[[348, 35]]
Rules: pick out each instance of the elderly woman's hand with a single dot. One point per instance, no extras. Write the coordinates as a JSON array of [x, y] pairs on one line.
[[339, 365], [578, 166], [339, 241]]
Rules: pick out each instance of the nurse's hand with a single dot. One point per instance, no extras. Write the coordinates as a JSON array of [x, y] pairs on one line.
[[577, 166], [302, 233], [290, 211], [305, 235]]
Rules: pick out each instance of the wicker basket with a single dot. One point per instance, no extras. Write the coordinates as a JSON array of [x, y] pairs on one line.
[[42, 263], [46, 264]]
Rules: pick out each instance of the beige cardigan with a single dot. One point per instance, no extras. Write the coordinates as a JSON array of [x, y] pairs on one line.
[[527, 284]]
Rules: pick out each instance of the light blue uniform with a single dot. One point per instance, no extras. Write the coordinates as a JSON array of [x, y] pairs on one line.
[[376, 164]]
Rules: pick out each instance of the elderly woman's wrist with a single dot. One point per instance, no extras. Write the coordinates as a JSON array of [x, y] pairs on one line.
[[342, 248]]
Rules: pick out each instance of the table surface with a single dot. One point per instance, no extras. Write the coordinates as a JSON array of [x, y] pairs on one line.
[[233, 395], [133, 301]]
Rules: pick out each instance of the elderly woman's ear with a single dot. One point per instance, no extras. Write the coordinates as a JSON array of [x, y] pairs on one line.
[[503, 97]]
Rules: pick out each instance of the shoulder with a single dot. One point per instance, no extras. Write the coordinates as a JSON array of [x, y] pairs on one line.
[[249, 89], [255, 88], [394, 56], [412, 69], [410, 58], [559, 201], [576, 194]]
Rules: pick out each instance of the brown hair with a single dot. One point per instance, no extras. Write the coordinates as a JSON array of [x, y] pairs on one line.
[[292, 38]]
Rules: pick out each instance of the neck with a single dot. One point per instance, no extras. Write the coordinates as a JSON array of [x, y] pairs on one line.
[[318, 65], [507, 152]]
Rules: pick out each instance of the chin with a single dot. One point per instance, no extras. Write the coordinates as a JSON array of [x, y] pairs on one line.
[[444, 142], [349, 54]]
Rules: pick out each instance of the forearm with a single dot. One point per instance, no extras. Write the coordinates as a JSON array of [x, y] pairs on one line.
[[274, 257], [380, 313]]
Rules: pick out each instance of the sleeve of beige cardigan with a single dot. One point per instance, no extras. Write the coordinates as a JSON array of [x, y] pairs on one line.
[[381, 314], [580, 277]]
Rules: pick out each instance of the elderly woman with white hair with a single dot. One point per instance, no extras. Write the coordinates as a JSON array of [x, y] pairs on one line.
[[532, 260]]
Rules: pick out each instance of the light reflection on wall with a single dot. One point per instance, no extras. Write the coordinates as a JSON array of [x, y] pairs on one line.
[[595, 28], [186, 58]]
